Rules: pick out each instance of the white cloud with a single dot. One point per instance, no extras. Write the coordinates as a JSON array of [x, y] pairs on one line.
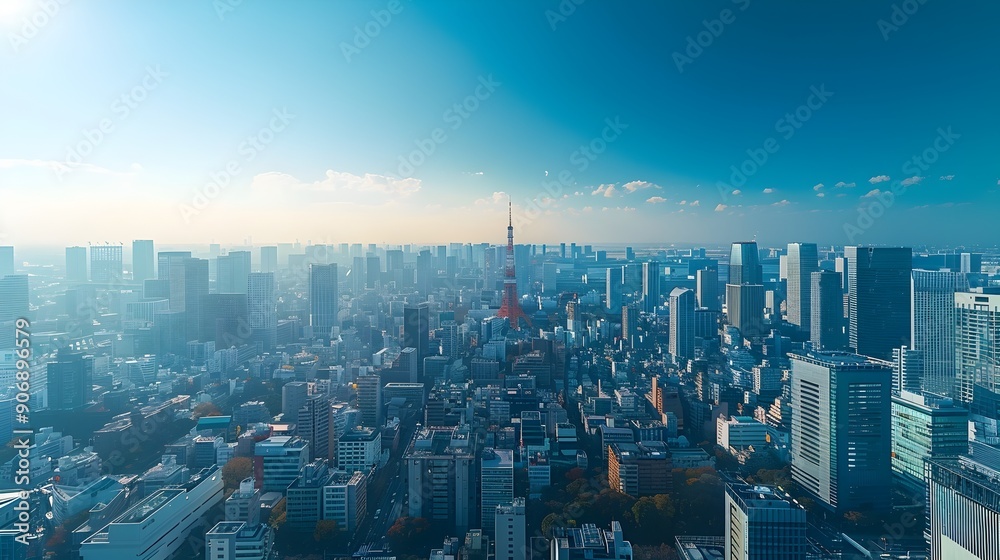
[[737, 192], [911, 181], [683, 202], [605, 190], [499, 197], [818, 187], [781, 203], [633, 186], [768, 191], [842, 185], [335, 181], [872, 193], [655, 199], [878, 179], [821, 195], [721, 208], [697, 203], [947, 177]]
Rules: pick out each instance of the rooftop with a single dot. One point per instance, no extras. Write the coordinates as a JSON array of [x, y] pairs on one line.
[[701, 548]]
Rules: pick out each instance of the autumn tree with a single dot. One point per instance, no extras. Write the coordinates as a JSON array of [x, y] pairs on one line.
[[205, 409], [235, 470]]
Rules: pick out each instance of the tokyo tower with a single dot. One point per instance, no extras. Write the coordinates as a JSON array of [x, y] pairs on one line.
[[511, 308]]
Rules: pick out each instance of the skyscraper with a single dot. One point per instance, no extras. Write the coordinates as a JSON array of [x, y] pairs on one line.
[[13, 298], [313, 425], [803, 260], [269, 258], [6, 260], [323, 299], [744, 264], [370, 400], [613, 289], [164, 260], [232, 273], [510, 535], [763, 524], [143, 258], [963, 509], [745, 308], [188, 285], [105, 263], [682, 326], [650, 286], [510, 309], [497, 484], [224, 318], [977, 343], [76, 264], [69, 380], [416, 330], [262, 307], [925, 427], [707, 285], [841, 430], [878, 299], [932, 327], [827, 311]]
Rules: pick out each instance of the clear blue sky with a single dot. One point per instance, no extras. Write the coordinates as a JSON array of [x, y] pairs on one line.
[[199, 79]]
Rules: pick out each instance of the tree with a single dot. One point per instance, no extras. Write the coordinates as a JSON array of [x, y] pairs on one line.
[[205, 409], [235, 470], [409, 534], [326, 531]]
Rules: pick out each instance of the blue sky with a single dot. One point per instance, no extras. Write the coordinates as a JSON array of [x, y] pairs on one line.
[[337, 121]]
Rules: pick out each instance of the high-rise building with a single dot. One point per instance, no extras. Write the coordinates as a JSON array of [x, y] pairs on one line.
[[188, 280], [224, 318], [707, 287], [510, 307], [6, 260], [682, 326], [963, 508], [510, 534], [293, 398], [440, 466], [977, 343], [497, 484], [370, 400], [744, 264], [373, 272], [878, 299], [13, 297], [933, 326], [639, 469], [323, 299], [924, 427], [69, 380], [230, 540], [277, 462], [164, 260], [761, 523], [358, 449], [416, 331], [262, 308], [841, 430], [650, 286], [827, 311], [550, 275], [313, 425], [269, 259], [76, 264], [745, 308], [158, 525], [907, 369], [143, 259], [803, 260], [232, 271], [105, 263], [613, 290]]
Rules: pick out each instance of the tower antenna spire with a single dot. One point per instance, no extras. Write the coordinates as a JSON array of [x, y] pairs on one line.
[[510, 213]]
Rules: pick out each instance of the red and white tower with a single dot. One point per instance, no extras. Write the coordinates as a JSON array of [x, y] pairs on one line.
[[511, 308]]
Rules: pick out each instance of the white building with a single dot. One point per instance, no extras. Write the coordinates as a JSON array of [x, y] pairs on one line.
[[497, 476], [359, 450], [740, 432], [156, 527], [510, 535], [230, 540], [977, 343]]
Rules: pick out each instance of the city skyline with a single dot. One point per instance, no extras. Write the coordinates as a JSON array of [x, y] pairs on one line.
[[336, 126]]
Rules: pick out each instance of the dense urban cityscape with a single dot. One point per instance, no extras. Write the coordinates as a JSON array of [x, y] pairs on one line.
[[491, 280]]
